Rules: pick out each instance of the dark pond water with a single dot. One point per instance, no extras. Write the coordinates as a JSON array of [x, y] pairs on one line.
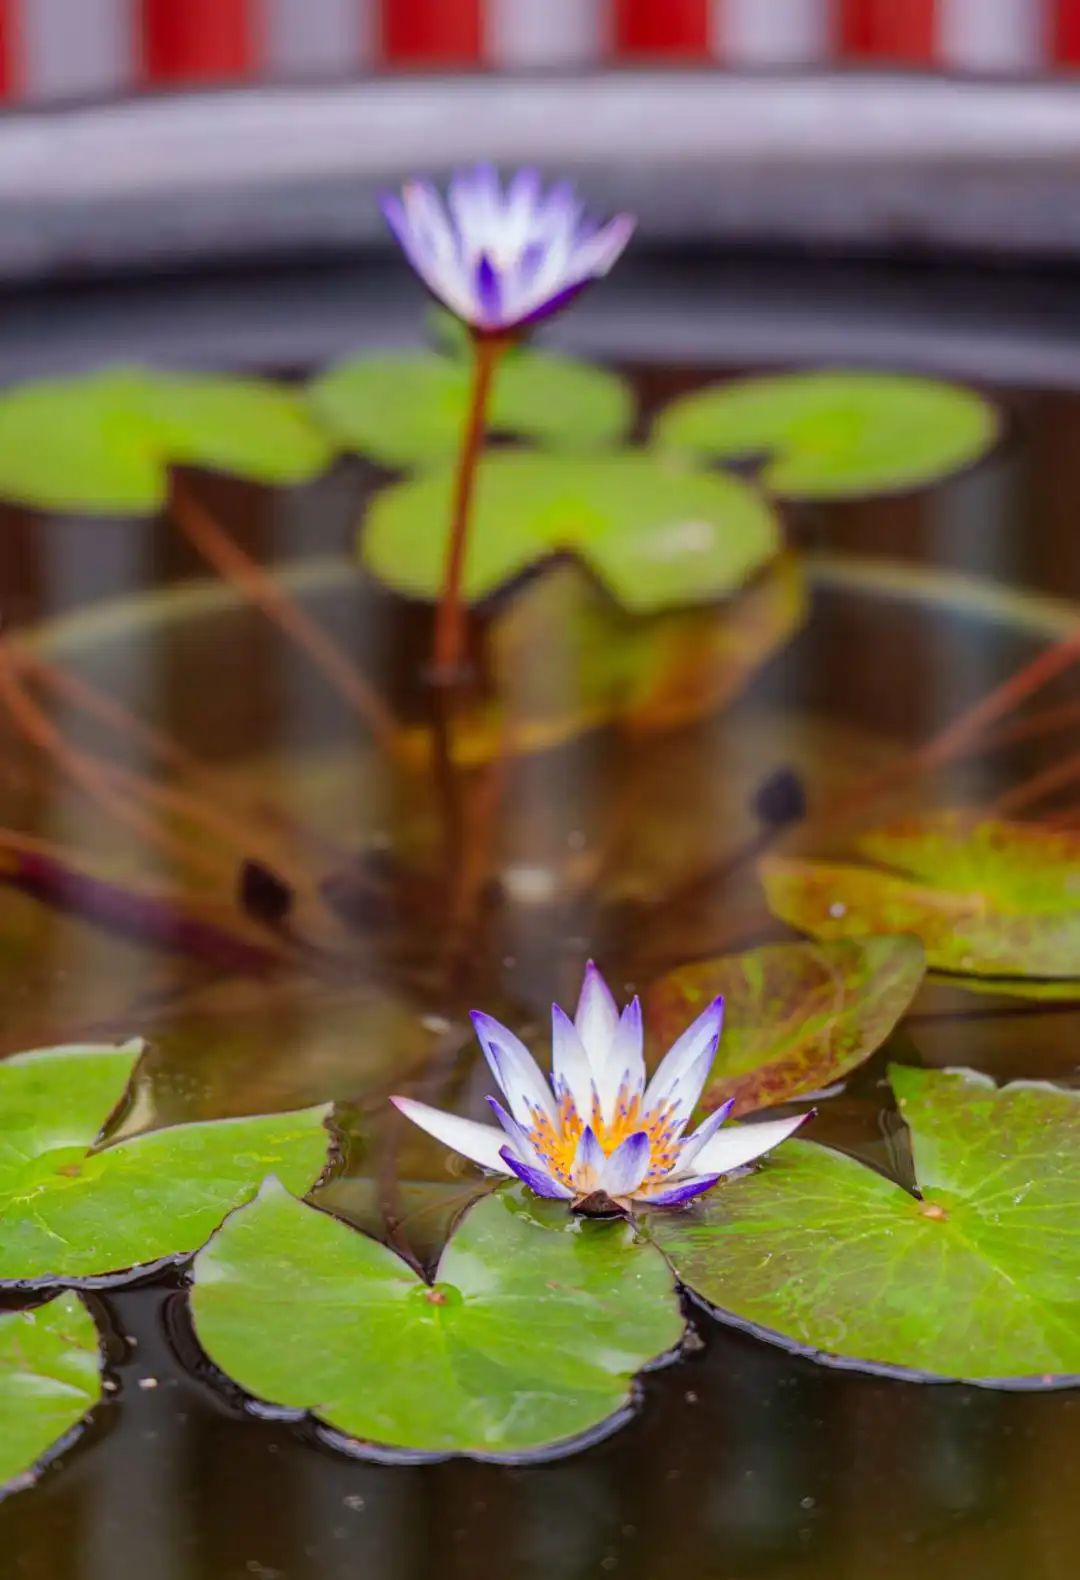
[[742, 1460]]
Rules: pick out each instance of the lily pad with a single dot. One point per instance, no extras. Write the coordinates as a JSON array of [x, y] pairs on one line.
[[407, 411], [528, 1339], [979, 1279], [840, 433], [987, 898], [796, 1016], [72, 1210], [50, 1379], [104, 444], [655, 534]]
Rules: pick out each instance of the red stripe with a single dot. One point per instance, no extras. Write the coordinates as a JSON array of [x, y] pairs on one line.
[[662, 27], [197, 40], [1067, 32], [432, 32], [889, 29], [9, 50]]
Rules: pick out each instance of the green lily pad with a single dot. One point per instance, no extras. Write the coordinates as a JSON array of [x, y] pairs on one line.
[[72, 1210], [50, 1379], [836, 434], [410, 410], [656, 535], [528, 1339], [978, 1280], [796, 1016], [987, 898], [103, 444]]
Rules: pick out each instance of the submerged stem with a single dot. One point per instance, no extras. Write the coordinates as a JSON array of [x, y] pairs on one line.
[[259, 587], [449, 641]]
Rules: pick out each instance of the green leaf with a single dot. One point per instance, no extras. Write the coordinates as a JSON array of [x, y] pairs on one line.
[[410, 410], [246, 427], [103, 444], [656, 535], [980, 1280], [50, 1378], [796, 1016], [987, 898], [67, 1212], [529, 1337], [834, 434], [82, 445]]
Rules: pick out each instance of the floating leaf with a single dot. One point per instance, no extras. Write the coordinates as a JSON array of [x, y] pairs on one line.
[[987, 898], [834, 434], [68, 1212], [655, 534], [980, 1280], [103, 444], [796, 1016], [410, 410], [529, 1337], [50, 1378]]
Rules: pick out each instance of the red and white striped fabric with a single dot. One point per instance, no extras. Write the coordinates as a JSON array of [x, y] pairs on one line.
[[97, 49]]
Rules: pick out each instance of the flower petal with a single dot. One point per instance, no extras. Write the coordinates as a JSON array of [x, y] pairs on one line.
[[488, 290], [681, 1190], [515, 1069], [597, 1016], [740, 1144], [570, 1067], [626, 1167], [587, 1169], [703, 1134], [482, 1143], [536, 1179], [687, 1062]]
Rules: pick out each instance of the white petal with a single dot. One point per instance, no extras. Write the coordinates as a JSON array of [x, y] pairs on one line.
[[627, 1166], [481, 1143], [570, 1066], [740, 1144], [588, 1166], [597, 1017], [629, 1048], [702, 1135], [687, 1062], [515, 1069]]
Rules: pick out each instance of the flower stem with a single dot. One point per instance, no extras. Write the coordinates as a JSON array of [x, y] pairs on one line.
[[449, 643]]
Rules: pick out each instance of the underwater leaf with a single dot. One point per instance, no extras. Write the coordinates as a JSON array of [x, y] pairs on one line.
[[979, 1280], [839, 433], [604, 667], [407, 410], [67, 1212], [656, 535], [529, 1337], [987, 898], [81, 445], [50, 1378], [796, 1016], [243, 426]]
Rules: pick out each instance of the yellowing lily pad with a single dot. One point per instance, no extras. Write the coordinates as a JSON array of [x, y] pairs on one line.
[[987, 898], [50, 1379], [839, 433], [979, 1279], [410, 410], [655, 534], [527, 1341], [72, 1209], [104, 444], [796, 1016]]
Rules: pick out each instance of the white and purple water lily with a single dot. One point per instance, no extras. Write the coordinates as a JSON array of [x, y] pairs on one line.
[[599, 1128], [500, 258]]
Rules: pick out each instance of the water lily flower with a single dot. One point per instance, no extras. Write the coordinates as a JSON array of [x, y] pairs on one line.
[[599, 1130], [503, 258]]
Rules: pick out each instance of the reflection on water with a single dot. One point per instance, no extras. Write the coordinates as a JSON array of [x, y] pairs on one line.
[[743, 1460]]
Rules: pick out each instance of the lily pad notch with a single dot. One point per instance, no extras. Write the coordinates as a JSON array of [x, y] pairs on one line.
[[50, 1382]]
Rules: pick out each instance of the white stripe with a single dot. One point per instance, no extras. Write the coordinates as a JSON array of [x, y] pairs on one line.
[[544, 32], [77, 49], [319, 38], [771, 32], [991, 35]]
